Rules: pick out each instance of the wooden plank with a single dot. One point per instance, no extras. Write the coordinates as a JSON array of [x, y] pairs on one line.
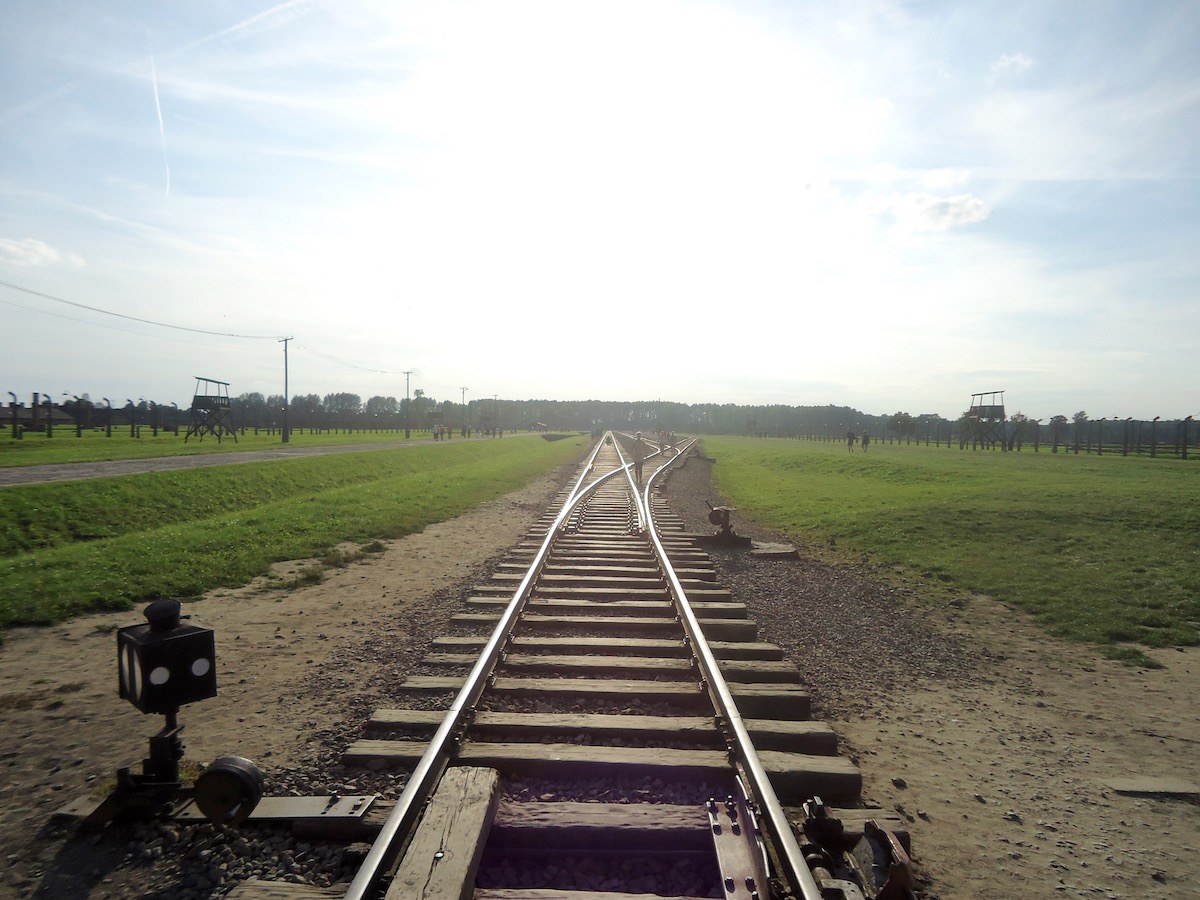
[[698, 579], [714, 629], [551, 894], [728, 629], [566, 571], [423, 723], [697, 559], [558, 760], [697, 591], [694, 573], [741, 671], [796, 776], [788, 702], [760, 671], [594, 645], [588, 570], [257, 889], [624, 543], [567, 549], [675, 691], [651, 603], [611, 603], [795, 737], [601, 687], [652, 581], [628, 827], [745, 650], [519, 663], [771, 701], [443, 857], [767, 734], [516, 663], [637, 646]]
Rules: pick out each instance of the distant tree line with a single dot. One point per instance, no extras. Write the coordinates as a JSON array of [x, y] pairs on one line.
[[349, 412], [1080, 433]]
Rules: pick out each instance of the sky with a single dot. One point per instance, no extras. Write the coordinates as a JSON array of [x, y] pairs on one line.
[[871, 203]]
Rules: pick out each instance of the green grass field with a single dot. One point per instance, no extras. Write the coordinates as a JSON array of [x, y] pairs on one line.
[[110, 543], [1101, 549]]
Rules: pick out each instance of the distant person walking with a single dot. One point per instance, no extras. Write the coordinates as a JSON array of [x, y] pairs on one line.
[[639, 456], [851, 440], [866, 441]]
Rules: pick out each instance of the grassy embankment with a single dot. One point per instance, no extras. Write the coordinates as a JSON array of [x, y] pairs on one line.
[[64, 447], [110, 543], [1100, 549]]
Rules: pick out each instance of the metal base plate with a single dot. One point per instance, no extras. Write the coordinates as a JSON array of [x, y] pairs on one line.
[[293, 808], [268, 809]]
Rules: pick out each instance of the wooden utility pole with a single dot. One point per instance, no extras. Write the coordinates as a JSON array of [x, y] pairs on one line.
[[407, 405], [287, 434]]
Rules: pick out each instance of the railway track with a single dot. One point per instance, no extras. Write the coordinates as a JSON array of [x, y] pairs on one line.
[[603, 721]]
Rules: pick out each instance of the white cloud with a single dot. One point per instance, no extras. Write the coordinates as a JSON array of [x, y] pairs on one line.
[[919, 211], [1012, 64], [33, 253]]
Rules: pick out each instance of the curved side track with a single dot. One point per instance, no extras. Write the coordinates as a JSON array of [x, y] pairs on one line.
[[604, 722]]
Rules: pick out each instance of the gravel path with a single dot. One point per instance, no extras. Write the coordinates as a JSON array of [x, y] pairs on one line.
[[111, 468]]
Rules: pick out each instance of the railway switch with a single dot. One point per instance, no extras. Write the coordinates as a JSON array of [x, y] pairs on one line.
[[162, 665], [721, 517], [855, 865]]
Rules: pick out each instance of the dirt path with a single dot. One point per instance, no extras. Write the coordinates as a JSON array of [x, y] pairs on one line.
[[83, 471], [1051, 774]]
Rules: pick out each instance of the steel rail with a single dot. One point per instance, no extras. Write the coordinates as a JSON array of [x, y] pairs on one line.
[[800, 879], [429, 768], [643, 520]]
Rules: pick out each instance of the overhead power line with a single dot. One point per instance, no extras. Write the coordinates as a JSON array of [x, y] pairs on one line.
[[107, 312], [272, 337], [349, 365]]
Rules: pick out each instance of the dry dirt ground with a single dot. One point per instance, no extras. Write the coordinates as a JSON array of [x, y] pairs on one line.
[[1005, 748]]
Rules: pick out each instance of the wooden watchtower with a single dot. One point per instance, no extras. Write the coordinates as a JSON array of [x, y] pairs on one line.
[[986, 418], [211, 413]]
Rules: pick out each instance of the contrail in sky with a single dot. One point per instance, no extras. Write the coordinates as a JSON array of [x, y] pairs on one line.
[[162, 131]]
